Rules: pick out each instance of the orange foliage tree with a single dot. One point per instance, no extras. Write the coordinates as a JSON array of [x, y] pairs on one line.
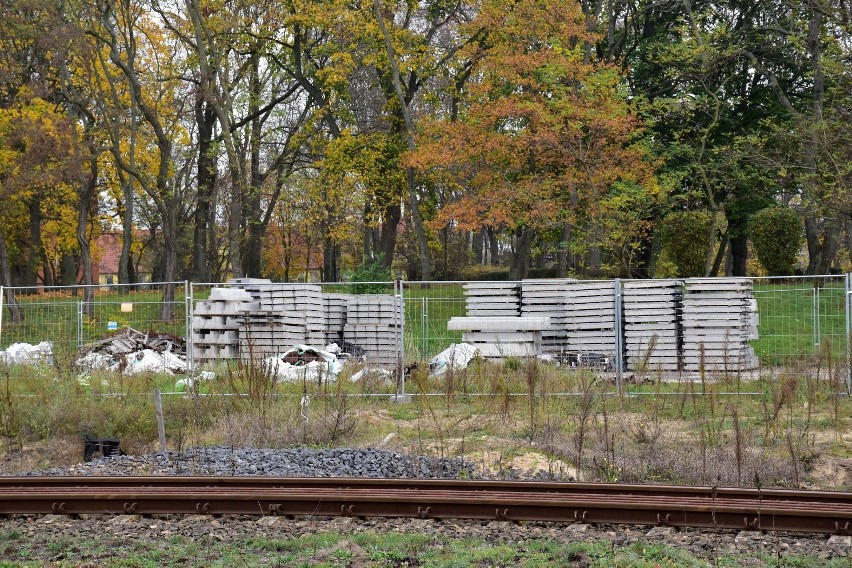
[[545, 141]]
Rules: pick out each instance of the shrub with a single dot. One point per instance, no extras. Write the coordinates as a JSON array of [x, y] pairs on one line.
[[776, 233], [684, 235], [372, 273]]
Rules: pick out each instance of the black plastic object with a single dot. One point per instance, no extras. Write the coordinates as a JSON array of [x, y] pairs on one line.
[[101, 447]]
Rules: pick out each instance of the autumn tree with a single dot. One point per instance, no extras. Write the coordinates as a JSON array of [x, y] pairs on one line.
[[118, 28], [545, 135]]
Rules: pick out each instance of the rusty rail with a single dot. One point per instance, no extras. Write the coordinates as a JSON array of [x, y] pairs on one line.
[[732, 508], [258, 482]]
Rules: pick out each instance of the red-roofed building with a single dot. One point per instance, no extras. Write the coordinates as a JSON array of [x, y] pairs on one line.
[[106, 252]]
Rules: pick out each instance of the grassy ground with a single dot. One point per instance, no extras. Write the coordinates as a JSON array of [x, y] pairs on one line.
[[368, 550], [511, 417], [794, 431], [799, 319]]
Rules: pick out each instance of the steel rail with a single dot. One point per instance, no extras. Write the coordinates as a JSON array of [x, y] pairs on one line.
[[380, 498], [563, 488]]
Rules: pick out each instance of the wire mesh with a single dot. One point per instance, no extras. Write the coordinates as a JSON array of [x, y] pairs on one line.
[[564, 320], [272, 323], [802, 322], [672, 328], [676, 328], [69, 318]]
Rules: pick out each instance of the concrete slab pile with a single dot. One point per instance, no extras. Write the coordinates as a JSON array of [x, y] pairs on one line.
[[499, 337], [719, 319], [652, 324], [492, 299], [287, 315], [216, 323], [547, 298], [335, 316], [264, 333], [374, 323], [590, 310]]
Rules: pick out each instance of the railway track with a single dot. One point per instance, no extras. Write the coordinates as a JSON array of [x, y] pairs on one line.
[[680, 506]]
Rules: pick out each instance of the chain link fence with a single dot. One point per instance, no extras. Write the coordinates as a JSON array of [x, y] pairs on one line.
[[678, 329]]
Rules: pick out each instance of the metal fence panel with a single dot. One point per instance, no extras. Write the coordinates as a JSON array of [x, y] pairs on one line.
[[62, 316], [253, 319], [673, 328]]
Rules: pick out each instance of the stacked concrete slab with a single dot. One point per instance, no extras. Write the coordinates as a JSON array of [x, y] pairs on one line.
[[216, 324], [290, 299], [254, 286], [652, 324], [546, 298], [590, 311], [499, 337], [335, 316], [374, 323], [720, 318], [492, 299], [263, 333]]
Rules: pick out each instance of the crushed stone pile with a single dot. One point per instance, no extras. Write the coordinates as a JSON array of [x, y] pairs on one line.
[[290, 462]]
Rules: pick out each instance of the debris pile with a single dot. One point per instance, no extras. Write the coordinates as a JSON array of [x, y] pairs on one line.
[[456, 356], [26, 354], [130, 351], [304, 363]]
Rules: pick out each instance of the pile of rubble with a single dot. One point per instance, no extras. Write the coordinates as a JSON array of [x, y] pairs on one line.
[[130, 351], [26, 354]]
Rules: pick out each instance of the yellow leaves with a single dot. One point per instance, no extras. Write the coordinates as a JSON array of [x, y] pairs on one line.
[[35, 147], [335, 76]]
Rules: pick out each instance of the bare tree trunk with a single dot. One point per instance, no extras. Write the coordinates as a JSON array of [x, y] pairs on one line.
[[478, 246], [367, 250], [387, 238], [816, 249], [593, 260], [830, 245], [255, 227], [739, 255], [67, 270], [35, 252], [170, 257], [204, 119], [521, 258], [221, 103], [720, 255], [87, 191], [493, 245], [814, 245], [329, 262], [125, 263], [711, 244], [6, 274]]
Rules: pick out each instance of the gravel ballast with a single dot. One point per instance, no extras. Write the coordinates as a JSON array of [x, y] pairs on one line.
[[304, 462]]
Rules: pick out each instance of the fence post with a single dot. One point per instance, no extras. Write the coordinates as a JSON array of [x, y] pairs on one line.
[[2, 298], [424, 345], [80, 324], [619, 337], [848, 287], [190, 293], [816, 316], [401, 343]]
